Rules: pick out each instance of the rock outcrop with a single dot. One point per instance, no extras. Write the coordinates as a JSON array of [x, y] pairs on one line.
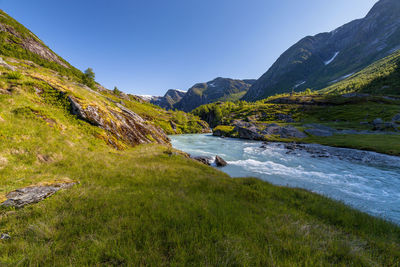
[[124, 124], [34, 194], [247, 130]]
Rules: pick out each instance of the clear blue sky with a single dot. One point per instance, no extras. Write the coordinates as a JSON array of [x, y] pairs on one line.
[[149, 46]]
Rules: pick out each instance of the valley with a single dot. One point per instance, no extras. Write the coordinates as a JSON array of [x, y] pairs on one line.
[[96, 177]]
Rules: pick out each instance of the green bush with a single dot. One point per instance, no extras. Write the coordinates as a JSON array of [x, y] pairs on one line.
[[14, 75]]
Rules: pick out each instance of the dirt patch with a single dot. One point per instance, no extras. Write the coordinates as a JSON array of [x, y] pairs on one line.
[[3, 162]]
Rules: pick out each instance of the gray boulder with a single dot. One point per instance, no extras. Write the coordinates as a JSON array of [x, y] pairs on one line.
[[6, 65], [220, 162], [283, 132], [247, 130], [204, 160]]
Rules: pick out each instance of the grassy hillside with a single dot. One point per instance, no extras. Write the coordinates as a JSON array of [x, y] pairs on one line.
[[18, 42], [380, 78], [337, 112], [148, 204]]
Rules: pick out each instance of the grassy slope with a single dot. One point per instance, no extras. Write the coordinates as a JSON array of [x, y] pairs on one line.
[[146, 206], [382, 77]]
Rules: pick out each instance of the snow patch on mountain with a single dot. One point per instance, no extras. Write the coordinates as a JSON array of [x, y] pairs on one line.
[[299, 84], [332, 59], [342, 78]]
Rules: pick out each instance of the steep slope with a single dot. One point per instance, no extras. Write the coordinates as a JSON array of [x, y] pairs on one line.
[[316, 61], [219, 89], [18, 42], [380, 78], [170, 98]]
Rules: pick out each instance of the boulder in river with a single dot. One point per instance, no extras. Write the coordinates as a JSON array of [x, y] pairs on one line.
[[220, 162], [204, 160]]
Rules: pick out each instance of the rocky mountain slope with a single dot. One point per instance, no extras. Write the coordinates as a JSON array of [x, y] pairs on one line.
[[30, 68], [170, 98], [219, 89], [317, 61]]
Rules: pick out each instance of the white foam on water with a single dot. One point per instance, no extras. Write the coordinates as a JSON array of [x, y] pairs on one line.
[[371, 183]]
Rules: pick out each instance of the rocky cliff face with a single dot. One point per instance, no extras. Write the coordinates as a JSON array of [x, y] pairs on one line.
[[122, 124], [318, 61], [168, 101], [219, 89]]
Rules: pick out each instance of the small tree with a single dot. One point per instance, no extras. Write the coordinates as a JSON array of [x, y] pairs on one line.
[[88, 78], [116, 91]]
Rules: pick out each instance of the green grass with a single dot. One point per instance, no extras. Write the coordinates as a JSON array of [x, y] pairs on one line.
[[148, 206]]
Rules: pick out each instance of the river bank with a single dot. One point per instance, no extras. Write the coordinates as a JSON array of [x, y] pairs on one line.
[[365, 180]]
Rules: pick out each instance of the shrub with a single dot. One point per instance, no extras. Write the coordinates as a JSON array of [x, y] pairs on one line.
[[14, 75]]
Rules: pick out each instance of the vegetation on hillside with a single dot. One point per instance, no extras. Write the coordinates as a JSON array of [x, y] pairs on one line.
[[150, 206], [305, 108], [11, 45], [380, 78]]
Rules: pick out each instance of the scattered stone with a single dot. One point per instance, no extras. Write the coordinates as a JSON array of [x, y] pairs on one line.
[[396, 118], [220, 162], [34, 194], [204, 160], [284, 117], [377, 121], [5, 237], [1, 119], [6, 65]]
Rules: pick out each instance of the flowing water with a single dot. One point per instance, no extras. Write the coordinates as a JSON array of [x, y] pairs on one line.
[[365, 180]]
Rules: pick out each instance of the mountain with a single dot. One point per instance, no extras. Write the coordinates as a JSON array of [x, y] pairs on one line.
[[380, 78], [317, 61], [219, 89], [168, 101]]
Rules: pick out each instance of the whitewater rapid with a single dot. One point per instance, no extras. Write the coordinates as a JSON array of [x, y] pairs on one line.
[[365, 180]]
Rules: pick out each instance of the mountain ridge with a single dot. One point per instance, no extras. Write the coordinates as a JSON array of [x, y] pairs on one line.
[[315, 61], [219, 89]]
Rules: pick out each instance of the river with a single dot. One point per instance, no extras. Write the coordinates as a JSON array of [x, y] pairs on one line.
[[364, 180]]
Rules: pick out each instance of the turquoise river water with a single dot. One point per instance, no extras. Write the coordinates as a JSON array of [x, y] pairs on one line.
[[364, 180]]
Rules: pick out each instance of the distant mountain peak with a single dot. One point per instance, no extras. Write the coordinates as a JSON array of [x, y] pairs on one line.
[[317, 61]]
